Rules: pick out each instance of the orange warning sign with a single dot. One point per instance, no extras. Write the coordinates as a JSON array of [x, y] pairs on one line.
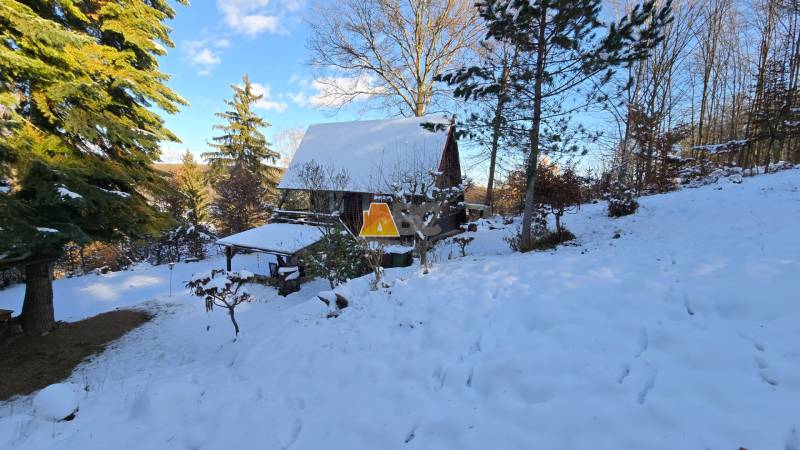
[[378, 222]]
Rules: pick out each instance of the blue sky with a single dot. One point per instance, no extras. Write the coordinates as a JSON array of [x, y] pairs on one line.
[[217, 42]]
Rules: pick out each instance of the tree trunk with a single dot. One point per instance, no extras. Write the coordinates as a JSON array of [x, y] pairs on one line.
[[233, 319], [496, 131], [37, 310], [533, 158]]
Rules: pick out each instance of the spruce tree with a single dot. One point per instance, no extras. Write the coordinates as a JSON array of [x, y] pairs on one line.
[[560, 46], [241, 141], [78, 135], [239, 171]]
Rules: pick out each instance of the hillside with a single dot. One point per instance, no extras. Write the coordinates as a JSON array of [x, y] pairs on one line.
[[680, 333]]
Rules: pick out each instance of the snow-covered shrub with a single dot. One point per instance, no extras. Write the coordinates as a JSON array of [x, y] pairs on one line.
[[337, 257], [185, 241], [222, 288], [621, 201], [462, 243]]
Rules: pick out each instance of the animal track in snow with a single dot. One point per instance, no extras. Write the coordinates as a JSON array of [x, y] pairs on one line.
[[641, 347], [764, 371], [297, 427], [649, 384], [644, 342], [439, 377], [476, 346], [411, 435]]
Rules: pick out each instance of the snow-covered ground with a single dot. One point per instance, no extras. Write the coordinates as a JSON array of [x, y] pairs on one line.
[[682, 333], [81, 297]]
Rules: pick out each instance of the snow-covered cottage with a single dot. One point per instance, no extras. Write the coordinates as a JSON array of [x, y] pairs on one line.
[[361, 160], [339, 169]]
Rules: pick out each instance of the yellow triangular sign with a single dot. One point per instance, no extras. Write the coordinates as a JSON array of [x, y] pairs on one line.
[[378, 222]]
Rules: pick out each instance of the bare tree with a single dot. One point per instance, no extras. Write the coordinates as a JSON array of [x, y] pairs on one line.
[[390, 49], [286, 142]]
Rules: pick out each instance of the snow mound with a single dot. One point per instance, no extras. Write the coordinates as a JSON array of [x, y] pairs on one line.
[[56, 402]]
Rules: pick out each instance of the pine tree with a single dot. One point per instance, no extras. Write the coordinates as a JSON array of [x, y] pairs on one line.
[[78, 134], [559, 50]]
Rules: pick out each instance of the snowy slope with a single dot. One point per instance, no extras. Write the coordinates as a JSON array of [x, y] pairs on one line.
[[683, 333]]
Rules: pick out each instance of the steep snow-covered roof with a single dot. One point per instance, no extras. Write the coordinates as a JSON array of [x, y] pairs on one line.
[[284, 238], [370, 151]]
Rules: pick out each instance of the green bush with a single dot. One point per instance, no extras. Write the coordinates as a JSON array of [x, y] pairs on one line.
[[337, 257]]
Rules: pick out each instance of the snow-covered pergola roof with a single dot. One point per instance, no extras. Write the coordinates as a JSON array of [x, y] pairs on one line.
[[279, 238], [370, 151]]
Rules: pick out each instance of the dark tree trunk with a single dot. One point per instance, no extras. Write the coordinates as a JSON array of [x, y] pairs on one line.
[[496, 131], [533, 158], [37, 310], [233, 319]]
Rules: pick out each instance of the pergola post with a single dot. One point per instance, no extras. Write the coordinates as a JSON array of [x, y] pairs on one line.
[[228, 257]]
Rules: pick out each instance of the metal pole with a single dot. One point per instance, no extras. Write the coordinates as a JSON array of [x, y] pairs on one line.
[[171, 265]]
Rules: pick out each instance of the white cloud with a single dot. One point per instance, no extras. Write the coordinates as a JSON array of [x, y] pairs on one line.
[[333, 92], [205, 53], [249, 17], [206, 57], [266, 101], [222, 42]]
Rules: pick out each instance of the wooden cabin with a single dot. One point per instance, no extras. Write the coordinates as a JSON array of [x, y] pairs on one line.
[[374, 155], [356, 164]]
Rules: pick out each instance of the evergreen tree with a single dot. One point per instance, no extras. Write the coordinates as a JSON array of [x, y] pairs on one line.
[[558, 50], [240, 203], [241, 142], [77, 80], [239, 171], [191, 183]]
